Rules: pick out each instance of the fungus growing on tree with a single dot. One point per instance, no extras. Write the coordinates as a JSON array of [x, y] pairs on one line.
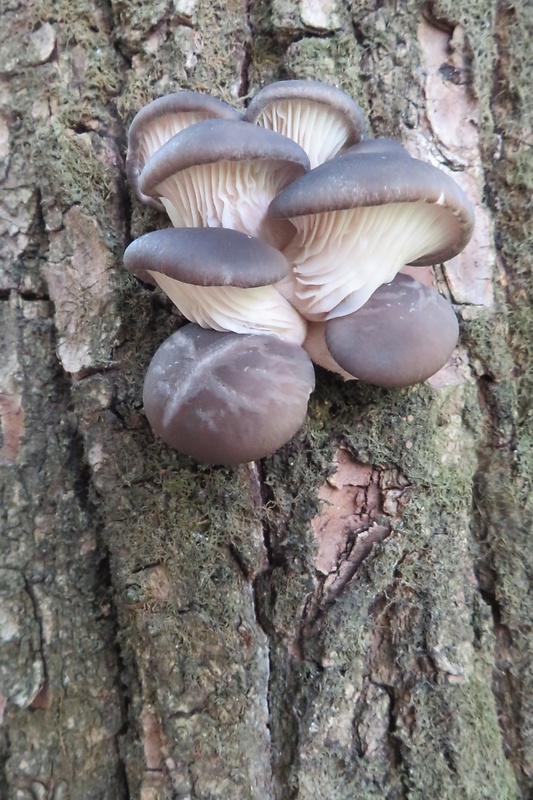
[[223, 174], [219, 278], [227, 398], [402, 335], [360, 218], [159, 121], [322, 119], [267, 254]]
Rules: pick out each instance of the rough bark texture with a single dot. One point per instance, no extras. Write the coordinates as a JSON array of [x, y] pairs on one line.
[[350, 618]]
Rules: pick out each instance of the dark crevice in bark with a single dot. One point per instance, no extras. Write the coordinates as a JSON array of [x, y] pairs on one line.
[[395, 745], [260, 590], [5, 754], [32, 296], [492, 509], [109, 14], [119, 134], [103, 591], [244, 77], [283, 716], [104, 578], [356, 27]]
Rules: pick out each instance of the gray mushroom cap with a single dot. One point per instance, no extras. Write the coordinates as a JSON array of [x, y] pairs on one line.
[[369, 179], [221, 140], [219, 278], [379, 146], [225, 398], [402, 335], [161, 119], [272, 106], [206, 257]]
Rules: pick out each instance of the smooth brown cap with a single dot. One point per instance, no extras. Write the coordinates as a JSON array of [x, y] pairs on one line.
[[402, 335], [226, 398], [206, 257], [162, 110], [314, 91], [221, 140], [377, 179]]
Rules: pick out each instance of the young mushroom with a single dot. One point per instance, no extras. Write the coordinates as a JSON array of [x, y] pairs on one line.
[[402, 335], [224, 173], [159, 121], [224, 398], [321, 118], [360, 218], [219, 278]]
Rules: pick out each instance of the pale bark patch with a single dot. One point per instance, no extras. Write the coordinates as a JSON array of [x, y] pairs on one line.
[[449, 138]]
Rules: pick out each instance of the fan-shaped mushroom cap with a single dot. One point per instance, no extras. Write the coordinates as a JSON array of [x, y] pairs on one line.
[[402, 335], [321, 118], [360, 218], [159, 121], [224, 173], [219, 278], [223, 398]]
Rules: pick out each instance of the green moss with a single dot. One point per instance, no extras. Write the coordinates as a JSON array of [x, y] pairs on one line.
[[83, 31], [71, 170], [333, 59], [208, 61], [451, 748]]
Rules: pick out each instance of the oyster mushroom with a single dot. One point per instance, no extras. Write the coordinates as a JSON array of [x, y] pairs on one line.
[[219, 278], [225, 398], [320, 117], [402, 335], [159, 121], [224, 173], [360, 218]]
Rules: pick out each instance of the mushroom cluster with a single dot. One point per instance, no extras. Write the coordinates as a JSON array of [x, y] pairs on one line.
[[291, 227]]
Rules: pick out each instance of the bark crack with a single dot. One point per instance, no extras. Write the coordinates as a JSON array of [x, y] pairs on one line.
[[244, 75]]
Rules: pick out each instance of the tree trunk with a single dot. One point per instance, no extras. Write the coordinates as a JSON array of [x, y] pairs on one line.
[[350, 618]]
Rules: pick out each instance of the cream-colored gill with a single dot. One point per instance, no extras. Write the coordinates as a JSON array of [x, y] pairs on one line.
[[161, 130], [260, 310], [341, 254], [318, 129], [226, 194]]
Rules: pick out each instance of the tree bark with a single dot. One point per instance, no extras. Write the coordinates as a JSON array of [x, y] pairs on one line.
[[349, 618]]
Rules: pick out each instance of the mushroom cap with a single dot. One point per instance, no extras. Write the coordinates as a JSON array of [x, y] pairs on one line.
[[218, 140], [295, 99], [225, 398], [368, 179], [379, 146], [206, 257], [161, 119], [402, 335]]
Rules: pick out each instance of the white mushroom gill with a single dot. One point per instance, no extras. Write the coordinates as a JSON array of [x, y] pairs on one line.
[[228, 194], [260, 310], [318, 129], [340, 258], [162, 129]]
